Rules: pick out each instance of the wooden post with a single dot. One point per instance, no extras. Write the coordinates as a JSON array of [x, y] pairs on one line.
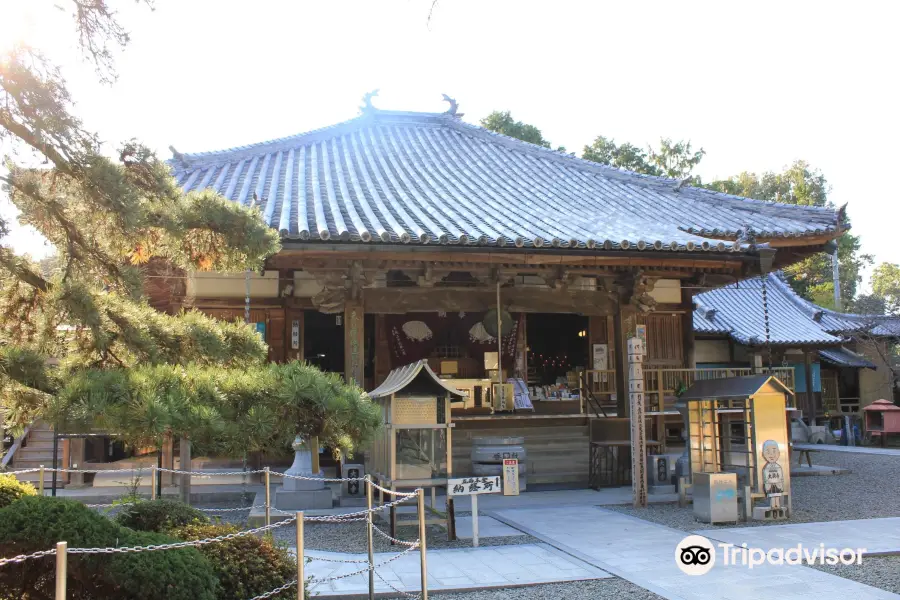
[[184, 453], [77, 458], [314, 454], [168, 460], [687, 328], [810, 396], [62, 551], [620, 364], [354, 343], [268, 499], [370, 540], [301, 584], [153, 475], [41, 481], [423, 560], [451, 519]]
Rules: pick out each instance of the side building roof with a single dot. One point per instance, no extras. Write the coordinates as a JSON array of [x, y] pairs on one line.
[[414, 178]]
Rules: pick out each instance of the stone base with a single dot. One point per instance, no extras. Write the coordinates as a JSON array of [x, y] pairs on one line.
[[662, 489], [352, 501], [766, 513], [308, 500]]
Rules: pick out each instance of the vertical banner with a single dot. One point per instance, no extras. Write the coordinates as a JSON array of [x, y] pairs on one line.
[[638, 428], [510, 476]]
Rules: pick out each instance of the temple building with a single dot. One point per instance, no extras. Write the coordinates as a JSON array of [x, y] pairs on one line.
[[409, 236], [844, 358]]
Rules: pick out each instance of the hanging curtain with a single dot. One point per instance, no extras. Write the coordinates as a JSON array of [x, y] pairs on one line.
[[415, 336]]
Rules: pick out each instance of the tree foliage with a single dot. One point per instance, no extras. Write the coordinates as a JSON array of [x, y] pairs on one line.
[[79, 343], [675, 160], [886, 287], [503, 122], [803, 185]]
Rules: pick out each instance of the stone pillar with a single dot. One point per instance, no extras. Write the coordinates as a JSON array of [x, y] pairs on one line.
[[184, 455], [354, 343], [757, 362]]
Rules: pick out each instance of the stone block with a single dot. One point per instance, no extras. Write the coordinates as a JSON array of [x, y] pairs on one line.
[[303, 500]]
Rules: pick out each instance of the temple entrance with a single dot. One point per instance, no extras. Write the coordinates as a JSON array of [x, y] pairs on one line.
[[557, 345], [323, 340]]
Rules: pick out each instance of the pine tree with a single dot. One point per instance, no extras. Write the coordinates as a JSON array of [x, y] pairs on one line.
[[80, 346]]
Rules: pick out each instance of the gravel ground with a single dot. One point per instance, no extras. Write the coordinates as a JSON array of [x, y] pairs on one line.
[[878, 571], [598, 589], [351, 537], [858, 495]]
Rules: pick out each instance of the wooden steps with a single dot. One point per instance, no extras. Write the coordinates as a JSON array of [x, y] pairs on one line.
[[37, 451], [554, 454]]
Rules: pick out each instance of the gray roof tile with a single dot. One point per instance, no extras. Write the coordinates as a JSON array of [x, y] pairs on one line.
[[430, 178]]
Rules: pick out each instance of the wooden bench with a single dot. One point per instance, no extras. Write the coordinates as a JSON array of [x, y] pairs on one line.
[[804, 451]]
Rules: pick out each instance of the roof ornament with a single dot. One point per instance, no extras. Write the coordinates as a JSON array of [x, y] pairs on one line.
[[182, 161], [682, 183], [454, 107], [746, 235], [367, 108]]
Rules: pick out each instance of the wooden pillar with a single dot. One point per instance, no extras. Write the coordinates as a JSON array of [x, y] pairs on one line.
[[168, 460], [354, 343], [809, 408], [687, 328], [382, 350], [184, 454], [66, 444], [275, 335], [621, 363]]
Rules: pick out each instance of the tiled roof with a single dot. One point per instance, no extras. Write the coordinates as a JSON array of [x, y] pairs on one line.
[[843, 357], [736, 310], [395, 177]]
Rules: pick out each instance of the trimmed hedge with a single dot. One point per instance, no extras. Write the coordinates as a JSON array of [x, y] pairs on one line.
[[159, 515], [35, 523], [245, 566], [11, 489]]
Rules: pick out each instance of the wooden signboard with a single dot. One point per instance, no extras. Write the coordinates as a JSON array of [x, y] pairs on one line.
[[510, 477], [474, 486]]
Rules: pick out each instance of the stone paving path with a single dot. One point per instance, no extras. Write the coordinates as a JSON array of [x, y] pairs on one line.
[[456, 569], [644, 553], [850, 449], [877, 536]]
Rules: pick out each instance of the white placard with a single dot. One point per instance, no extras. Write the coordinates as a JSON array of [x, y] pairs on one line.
[[510, 477], [601, 357], [470, 486], [635, 346]]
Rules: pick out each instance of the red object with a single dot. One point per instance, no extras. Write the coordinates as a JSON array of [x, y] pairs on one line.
[[882, 419]]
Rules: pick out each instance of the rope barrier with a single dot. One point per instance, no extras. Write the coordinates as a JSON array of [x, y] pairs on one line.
[[196, 474], [392, 539], [392, 492], [176, 545], [238, 509], [290, 584], [23, 557]]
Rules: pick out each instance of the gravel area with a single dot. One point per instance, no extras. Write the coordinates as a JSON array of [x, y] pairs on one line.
[[860, 494], [598, 589], [878, 571], [351, 537]]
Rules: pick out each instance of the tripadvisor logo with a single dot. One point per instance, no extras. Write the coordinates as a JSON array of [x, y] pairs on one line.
[[696, 555]]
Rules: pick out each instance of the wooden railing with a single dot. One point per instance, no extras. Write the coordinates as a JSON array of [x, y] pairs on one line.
[[662, 384]]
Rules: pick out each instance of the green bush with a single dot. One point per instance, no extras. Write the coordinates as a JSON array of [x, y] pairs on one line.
[[245, 566], [35, 523], [159, 515], [11, 489]]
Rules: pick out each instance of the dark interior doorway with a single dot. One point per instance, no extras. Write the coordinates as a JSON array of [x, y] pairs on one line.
[[323, 340], [557, 343]]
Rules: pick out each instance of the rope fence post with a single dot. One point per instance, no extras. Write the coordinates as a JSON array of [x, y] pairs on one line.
[[41, 480], [301, 584], [369, 536], [421, 498], [268, 500], [62, 549], [153, 476]]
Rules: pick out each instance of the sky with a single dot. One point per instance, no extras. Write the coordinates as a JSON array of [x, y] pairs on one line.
[[756, 84]]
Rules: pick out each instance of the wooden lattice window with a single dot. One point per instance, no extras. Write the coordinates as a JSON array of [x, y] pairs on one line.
[[665, 344]]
